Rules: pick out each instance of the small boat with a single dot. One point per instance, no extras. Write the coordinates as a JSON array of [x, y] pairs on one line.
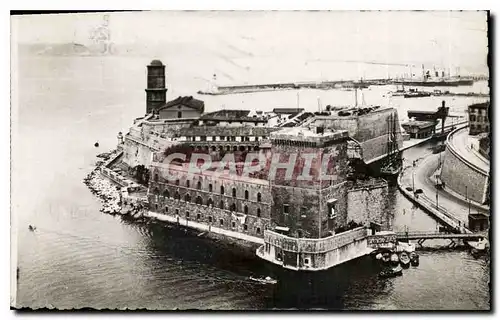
[[394, 258], [414, 259], [386, 257], [392, 272], [96, 144], [31, 228], [404, 259], [266, 280]]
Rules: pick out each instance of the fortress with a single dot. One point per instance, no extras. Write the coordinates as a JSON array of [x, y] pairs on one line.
[[298, 223]]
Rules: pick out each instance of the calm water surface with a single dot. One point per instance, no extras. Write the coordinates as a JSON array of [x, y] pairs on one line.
[[79, 257]]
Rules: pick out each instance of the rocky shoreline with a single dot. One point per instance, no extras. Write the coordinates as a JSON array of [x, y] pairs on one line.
[[115, 199], [106, 190]]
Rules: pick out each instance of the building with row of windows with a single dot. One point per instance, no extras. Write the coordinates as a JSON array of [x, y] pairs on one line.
[[479, 120]]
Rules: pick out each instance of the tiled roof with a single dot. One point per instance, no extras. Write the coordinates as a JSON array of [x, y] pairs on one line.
[[186, 101]]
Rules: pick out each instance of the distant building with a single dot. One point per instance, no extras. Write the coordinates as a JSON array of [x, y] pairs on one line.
[[182, 107], [479, 121], [419, 129]]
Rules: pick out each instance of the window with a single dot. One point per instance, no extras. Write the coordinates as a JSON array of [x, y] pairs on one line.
[[199, 200], [177, 212], [156, 177], [246, 194], [258, 212], [286, 208], [198, 185], [306, 261], [166, 194], [210, 188], [222, 190], [245, 227], [246, 210], [472, 117], [187, 214], [234, 192], [198, 216], [233, 224], [156, 206], [210, 202], [259, 197], [166, 209], [221, 205], [233, 207], [177, 182], [221, 221], [210, 219], [258, 230], [179, 114], [177, 196], [222, 138], [331, 208], [187, 183], [187, 198]]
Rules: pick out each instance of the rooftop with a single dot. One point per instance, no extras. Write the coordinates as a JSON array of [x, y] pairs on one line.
[[483, 105], [156, 63], [187, 101], [419, 124], [233, 115], [305, 134]]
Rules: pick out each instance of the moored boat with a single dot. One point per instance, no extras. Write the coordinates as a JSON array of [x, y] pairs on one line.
[[394, 258], [386, 257], [392, 272], [266, 280], [414, 259], [404, 259]]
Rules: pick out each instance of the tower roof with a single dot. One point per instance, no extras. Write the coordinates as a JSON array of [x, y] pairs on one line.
[[156, 63]]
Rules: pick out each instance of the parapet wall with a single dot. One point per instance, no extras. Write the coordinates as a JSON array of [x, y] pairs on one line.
[[462, 176]]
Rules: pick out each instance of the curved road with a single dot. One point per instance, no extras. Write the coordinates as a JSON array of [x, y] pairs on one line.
[[462, 144], [424, 180]]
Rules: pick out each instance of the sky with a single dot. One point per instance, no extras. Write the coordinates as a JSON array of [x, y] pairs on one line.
[[441, 37]]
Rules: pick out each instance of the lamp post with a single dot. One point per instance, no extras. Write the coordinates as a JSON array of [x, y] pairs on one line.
[[413, 178]]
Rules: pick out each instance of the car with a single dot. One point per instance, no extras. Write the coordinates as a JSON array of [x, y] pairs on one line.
[[409, 189], [419, 191]]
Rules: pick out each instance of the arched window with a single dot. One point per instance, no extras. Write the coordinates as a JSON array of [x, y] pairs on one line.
[[221, 204], [258, 212], [187, 183], [166, 209], [210, 202], [246, 194], [221, 221], [199, 200], [221, 189], [156, 191], [187, 197], [210, 219], [234, 192], [198, 186], [177, 182], [156, 177], [246, 210], [198, 216], [259, 197], [210, 188], [233, 207], [187, 214], [177, 196], [258, 230]]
